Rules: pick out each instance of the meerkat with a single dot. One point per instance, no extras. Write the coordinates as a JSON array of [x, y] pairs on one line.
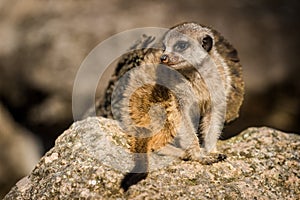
[[205, 89]]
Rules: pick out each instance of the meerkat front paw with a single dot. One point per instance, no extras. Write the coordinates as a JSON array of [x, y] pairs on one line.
[[194, 152], [199, 154]]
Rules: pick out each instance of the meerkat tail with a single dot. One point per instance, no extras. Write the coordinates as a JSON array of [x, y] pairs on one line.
[[132, 179], [140, 170], [138, 173]]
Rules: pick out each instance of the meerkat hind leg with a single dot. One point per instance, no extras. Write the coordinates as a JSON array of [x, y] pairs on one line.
[[188, 141], [171, 150]]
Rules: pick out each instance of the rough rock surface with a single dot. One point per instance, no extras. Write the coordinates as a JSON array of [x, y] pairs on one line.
[[262, 163]]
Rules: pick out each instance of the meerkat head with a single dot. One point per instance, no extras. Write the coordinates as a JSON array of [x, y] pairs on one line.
[[187, 43]]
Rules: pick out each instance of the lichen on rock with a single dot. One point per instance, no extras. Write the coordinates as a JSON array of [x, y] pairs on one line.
[[90, 159]]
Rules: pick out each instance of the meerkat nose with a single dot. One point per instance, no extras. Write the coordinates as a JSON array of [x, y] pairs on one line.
[[164, 58]]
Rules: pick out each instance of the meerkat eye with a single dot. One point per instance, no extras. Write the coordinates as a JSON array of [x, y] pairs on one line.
[[207, 43], [181, 46]]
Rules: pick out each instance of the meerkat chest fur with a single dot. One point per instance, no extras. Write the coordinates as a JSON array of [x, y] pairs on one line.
[[156, 101]]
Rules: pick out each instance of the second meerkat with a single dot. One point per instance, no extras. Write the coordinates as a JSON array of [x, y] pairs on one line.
[[190, 99]]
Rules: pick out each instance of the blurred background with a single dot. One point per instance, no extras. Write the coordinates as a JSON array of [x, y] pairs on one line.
[[43, 43]]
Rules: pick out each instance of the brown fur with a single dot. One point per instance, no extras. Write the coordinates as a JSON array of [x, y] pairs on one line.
[[140, 104], [236, 94]]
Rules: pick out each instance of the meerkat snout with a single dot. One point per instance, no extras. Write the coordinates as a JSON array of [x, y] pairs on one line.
[[170, 58], [164, 59]]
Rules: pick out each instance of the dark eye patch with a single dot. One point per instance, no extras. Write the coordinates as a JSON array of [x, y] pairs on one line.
[[181, 46]]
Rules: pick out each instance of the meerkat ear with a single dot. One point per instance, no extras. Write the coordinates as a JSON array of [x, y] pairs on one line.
[[207, 43]]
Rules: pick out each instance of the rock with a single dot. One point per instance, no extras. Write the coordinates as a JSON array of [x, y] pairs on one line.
[[20, 151], [90, 159]]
